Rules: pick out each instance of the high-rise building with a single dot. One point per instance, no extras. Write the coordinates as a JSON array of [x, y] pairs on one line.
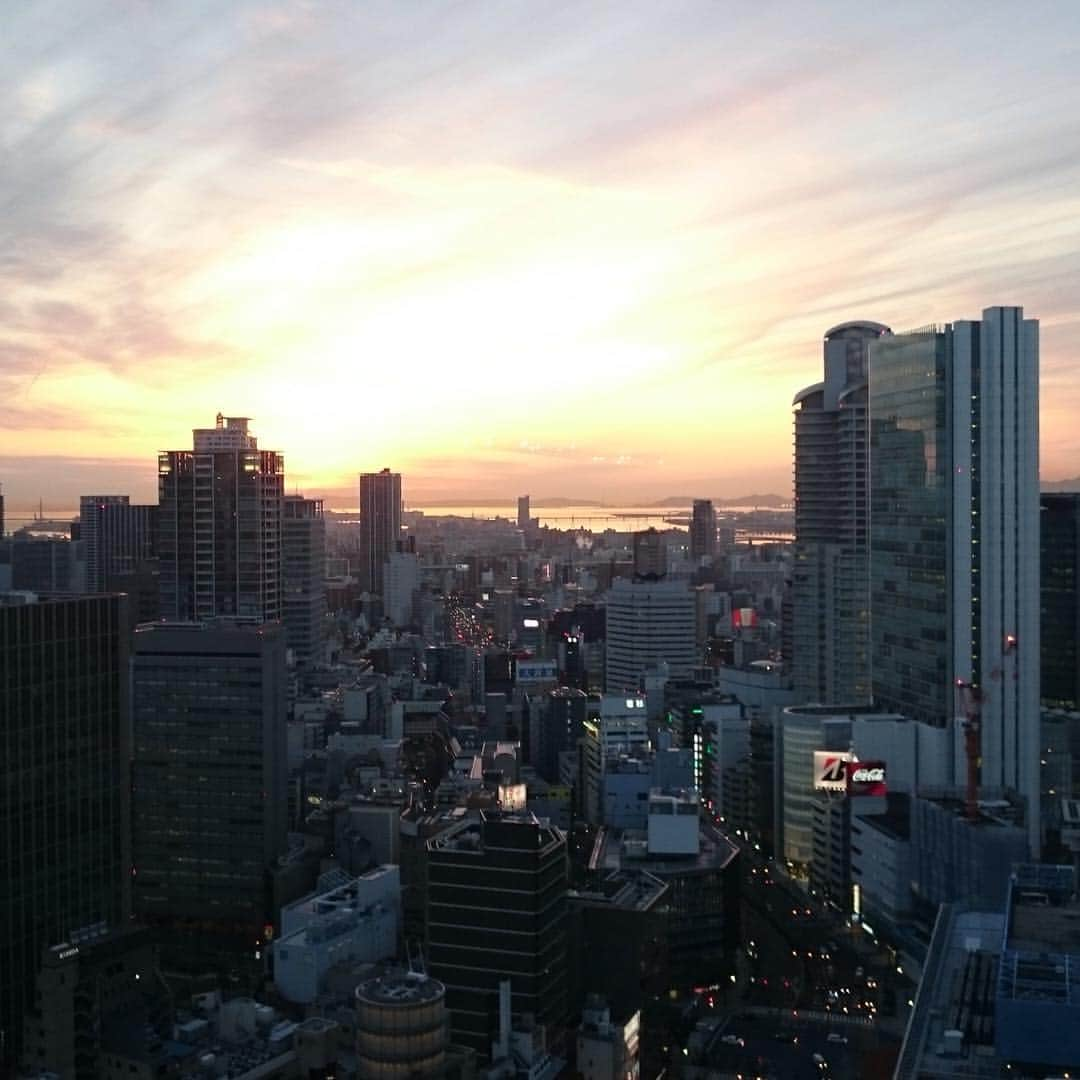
[[118, 536], [64, 804], [401, 580], [648, 623], [1060, 600], [220, 526], [303, 574], [523, 518], [703, 530], [830, 590], [208, 779], [497, 895], [380, 526], [650, 554], [1059, 667], [954, 537]]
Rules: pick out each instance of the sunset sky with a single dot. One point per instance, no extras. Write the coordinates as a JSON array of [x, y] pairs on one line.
[[567, 248]]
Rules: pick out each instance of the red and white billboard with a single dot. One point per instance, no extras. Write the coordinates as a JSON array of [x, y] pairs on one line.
[[866, 778], [743, 618], [830, 770]]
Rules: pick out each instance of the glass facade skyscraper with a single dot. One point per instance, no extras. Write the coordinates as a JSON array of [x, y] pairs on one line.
[[954, 537], [910, 513]]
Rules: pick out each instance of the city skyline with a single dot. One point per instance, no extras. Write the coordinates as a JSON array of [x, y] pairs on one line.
[[592, 254]]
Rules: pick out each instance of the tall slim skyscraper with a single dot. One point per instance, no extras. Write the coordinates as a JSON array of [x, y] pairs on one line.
[[380, 526], [303, 551], [64, 801], [118, 535], [208, 778], [703, 530], [524, 518], [954, 536], [830, 593], [220, 525]]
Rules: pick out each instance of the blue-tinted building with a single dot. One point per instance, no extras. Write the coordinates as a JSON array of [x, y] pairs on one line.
[[1037, 1013]]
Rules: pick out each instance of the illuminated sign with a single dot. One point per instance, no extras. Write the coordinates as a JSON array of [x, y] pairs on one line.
[[830, 770], [537, 671], [68, 952], [530, 624], [513, 796], [743, 617], [866, 778]]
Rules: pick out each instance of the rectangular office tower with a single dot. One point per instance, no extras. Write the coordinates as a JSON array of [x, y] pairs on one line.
[[118, 535], [208, 778], [380, 526], [64, 800], [497, 910], [648, 623], [954, 536], [830, 641], [1060, 588], [303, 551], [220, 525]]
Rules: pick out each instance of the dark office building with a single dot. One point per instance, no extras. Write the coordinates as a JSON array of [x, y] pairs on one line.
[[101, 1009], [303, 572], [64, 809], [380, 526], [119, 537], [1060, 600], [497, 910], [703, 530], [563, 713], [650, 555], [209, 778], [45, 564]]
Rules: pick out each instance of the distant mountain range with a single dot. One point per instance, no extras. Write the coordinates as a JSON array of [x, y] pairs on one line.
[[1061, 485]]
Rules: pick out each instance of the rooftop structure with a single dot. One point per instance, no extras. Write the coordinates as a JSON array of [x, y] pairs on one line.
[[346, 920], [1038, 982]]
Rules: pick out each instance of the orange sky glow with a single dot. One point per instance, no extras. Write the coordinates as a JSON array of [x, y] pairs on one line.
[[572, 250]]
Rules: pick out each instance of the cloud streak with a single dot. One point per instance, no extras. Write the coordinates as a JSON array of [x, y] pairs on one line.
[[458, 238]]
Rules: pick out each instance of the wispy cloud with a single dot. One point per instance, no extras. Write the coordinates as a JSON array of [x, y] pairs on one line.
[[491, 243]]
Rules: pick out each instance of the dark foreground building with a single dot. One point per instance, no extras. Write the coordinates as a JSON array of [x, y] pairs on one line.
[[64, 810], [208, 781], [497, 910]]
